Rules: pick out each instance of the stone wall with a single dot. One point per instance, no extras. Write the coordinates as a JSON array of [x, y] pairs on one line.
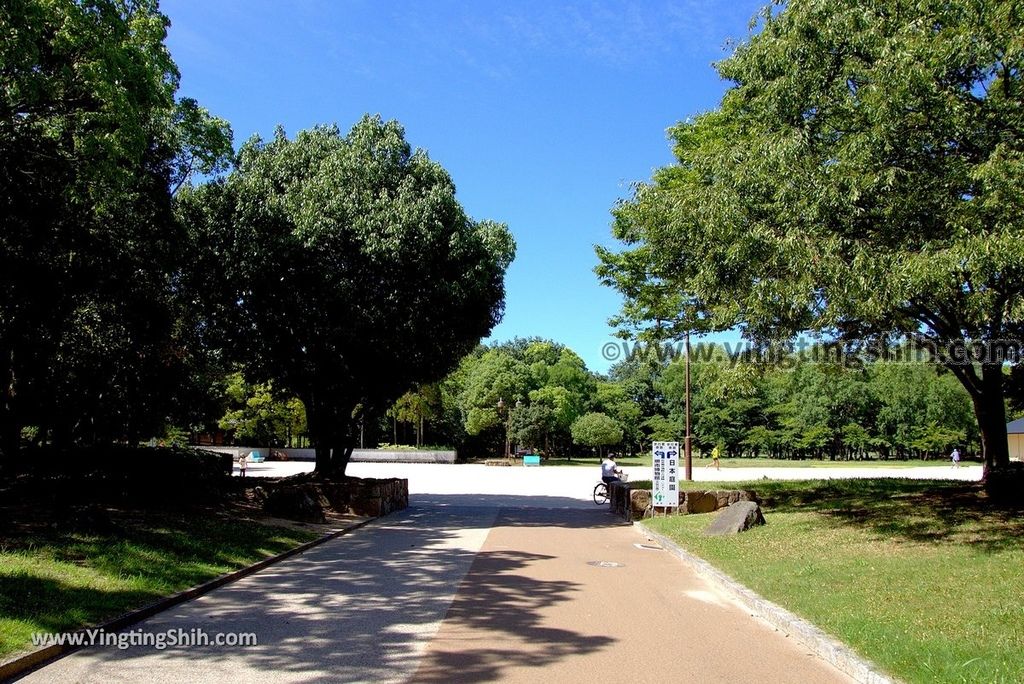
[[365, 455], [689, 502], [302, 498]]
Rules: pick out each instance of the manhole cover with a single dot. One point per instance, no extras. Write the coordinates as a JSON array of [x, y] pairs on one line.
[[648, 547], [605, 564]]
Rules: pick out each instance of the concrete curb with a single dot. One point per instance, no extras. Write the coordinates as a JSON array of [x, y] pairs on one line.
[[823, 645], [15, 668]]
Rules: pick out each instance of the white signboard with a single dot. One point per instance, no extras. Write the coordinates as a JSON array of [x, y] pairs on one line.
[[666, 474]]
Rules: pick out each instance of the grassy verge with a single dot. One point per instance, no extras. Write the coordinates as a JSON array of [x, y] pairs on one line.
[[922, 578], [54, 580]]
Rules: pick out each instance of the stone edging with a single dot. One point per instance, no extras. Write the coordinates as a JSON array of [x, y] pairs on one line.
[[21, 665], [823, 646]]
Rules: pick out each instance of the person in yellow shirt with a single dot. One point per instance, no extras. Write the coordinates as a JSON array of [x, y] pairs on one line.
[[716, 453]]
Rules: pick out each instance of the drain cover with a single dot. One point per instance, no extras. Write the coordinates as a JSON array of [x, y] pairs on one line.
[[605, 564]]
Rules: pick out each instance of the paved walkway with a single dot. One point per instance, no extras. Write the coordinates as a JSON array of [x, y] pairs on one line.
[[481, 584]]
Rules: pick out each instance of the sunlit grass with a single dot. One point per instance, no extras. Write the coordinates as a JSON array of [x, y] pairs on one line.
[[924, 579], [59, 581]]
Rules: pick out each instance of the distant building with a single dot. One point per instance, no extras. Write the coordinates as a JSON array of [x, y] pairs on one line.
[[1015, 439]]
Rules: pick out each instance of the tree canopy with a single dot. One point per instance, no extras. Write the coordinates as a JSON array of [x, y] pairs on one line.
[[861, 179], [597, 430], [93, 142], [343, 268]]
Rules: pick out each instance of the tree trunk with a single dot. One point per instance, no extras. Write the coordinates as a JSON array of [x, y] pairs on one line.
[[339, 461], [318, 425], [990, 410], [323, 458]]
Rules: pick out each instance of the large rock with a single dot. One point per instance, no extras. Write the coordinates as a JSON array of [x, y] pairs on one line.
[[738, 517], [640, 501]]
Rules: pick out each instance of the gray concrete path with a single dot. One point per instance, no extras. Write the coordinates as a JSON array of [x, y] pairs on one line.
[[493, 583], [360, 608]]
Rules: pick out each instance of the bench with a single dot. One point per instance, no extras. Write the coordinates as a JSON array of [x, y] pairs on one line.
[[498, 462], [531, 460]]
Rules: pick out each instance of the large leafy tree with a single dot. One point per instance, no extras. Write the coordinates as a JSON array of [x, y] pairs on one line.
[[92, 143], [863, 178], [343, 268], [527, 371], [596, 430]]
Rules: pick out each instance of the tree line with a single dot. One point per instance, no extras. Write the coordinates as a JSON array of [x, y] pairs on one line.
[[540, 395]]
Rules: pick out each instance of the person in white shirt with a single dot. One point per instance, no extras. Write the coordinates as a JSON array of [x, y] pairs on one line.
[[609, 471]]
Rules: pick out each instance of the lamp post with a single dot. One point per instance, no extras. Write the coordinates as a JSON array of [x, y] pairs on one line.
[[686, 444], [504, 421], [519, 405]]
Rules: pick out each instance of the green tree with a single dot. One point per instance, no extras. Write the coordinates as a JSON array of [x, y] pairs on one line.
[[532, 370], [613, 400], [863, 178], [495, 375], [530, 425], [93, 143], [343, 268], [259, 415], [596, 430], [417, 407]]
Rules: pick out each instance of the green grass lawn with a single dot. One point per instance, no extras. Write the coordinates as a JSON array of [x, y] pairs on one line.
[[53, 581], [923, 578]]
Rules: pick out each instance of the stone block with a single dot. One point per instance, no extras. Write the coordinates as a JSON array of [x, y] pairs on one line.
[[640, 501], [701, 502], [297, 502]]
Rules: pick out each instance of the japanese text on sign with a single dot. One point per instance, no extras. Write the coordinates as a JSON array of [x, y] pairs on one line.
[[666, 474]]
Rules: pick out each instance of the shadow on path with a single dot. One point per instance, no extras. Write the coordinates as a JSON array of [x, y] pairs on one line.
[[502, 606], [362, 607]]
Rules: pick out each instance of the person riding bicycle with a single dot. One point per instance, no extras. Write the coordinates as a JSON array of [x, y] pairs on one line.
[[609, 471]]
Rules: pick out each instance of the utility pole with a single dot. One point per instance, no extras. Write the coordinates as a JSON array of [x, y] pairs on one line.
[[686, 443]]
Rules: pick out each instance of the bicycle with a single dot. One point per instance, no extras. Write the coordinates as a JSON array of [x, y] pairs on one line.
[[601, 495]]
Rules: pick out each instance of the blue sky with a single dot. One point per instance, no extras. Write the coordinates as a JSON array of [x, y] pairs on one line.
[[543, 113]]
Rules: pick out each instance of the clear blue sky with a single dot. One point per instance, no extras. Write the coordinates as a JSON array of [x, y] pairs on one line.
[[542, 112]]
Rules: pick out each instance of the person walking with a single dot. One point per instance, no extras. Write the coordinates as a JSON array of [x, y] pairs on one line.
[[955, 457], [243, 461]]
